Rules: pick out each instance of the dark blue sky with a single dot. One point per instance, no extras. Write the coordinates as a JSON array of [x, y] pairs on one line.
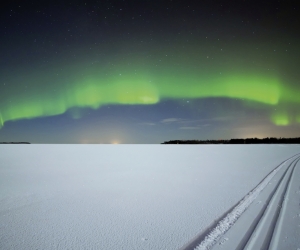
[[148, 71]]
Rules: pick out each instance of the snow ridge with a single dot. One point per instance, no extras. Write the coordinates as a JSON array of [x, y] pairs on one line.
[[226, 223], [269, 226]]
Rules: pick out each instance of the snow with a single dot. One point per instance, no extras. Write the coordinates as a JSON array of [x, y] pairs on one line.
[[288, 226], [123, 196], [225, 224], [257, 222]]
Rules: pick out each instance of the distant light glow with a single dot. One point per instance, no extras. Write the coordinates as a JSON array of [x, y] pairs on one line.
[[115, 142]]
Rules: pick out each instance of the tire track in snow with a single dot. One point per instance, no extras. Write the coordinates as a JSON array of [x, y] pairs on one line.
[[209, 237]]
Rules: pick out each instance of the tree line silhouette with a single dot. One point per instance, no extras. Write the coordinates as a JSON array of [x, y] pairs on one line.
[[14, 142], [267, 140]]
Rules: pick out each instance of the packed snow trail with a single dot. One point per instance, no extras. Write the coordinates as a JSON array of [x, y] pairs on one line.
[[249, 224], [264, 231], [287, 231]]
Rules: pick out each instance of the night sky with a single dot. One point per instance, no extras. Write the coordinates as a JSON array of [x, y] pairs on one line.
[[148, 71]]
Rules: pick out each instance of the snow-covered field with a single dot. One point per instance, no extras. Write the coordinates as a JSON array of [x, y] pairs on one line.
[[124, 196]]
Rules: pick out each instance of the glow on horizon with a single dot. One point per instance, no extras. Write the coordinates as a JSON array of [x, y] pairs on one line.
[[115, 142]]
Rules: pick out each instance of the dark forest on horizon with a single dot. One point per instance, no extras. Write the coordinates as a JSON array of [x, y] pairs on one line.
[[267, 140], [14, 142]]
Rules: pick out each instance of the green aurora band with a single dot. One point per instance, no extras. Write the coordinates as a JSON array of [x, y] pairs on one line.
[[145, 89], [280, 119]]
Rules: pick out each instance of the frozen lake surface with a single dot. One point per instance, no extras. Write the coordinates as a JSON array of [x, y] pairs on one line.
[[123, 196]]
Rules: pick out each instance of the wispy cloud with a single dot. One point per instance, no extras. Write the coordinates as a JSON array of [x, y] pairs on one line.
[[169, 120], [190, 128], [220, 118], [147, 123], [195, 124]]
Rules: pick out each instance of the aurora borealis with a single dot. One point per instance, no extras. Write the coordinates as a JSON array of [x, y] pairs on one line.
[[148, 71]]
